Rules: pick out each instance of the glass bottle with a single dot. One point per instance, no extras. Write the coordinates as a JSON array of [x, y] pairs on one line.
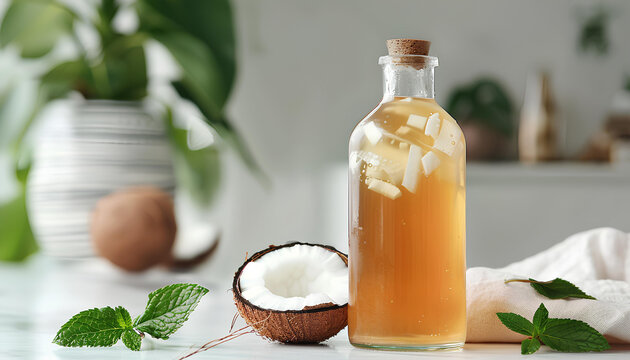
[[407, 223]]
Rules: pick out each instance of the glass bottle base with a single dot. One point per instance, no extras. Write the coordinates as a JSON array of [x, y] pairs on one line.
[[457, 346]]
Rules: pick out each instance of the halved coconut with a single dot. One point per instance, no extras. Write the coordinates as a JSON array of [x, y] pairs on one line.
[[193, 250], [294, 293], [197, 238]]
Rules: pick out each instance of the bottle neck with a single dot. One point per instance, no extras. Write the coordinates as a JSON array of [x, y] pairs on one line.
[[408, 76], [408, 81]]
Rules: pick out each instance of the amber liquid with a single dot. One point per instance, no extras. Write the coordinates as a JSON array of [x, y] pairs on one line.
[[407, 254]]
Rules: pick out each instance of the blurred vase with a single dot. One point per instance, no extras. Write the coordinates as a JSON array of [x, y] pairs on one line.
[[97, 148], [538, 131]]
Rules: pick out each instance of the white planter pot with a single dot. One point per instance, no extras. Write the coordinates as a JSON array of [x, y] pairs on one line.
[[98, 148]]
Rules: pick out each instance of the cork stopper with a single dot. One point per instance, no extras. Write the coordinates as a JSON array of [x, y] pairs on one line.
[[398, 48], [408, 47]]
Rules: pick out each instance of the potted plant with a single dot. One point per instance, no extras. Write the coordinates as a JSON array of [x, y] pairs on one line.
[[107, 139], [485, 113]]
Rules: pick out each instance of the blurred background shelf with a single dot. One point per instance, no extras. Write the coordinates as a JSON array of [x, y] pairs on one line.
[[568, 173], [516, 210], [513, 210]]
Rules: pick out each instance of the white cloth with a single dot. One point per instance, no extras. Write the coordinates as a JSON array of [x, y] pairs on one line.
[[597, 261]]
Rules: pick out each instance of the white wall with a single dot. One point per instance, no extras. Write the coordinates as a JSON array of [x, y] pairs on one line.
[[308, 74]]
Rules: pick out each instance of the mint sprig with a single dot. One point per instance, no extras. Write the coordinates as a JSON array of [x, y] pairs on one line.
[[516, 323], [167, 310], [94, 327], [566, 335], [132, 339], [555, 289], [530, 346]]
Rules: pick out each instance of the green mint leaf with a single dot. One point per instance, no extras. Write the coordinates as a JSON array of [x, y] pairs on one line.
[[94, 327], [132, 340], [529, 346], [123, 318], [540, 319], [168, 308], [559, 289], [517, 323], [569, 335]]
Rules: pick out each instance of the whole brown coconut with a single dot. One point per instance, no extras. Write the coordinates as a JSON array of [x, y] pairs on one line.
[[310, 325], [134, 228]]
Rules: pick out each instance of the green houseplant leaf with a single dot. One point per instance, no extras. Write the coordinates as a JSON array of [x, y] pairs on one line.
[[228, 133], [16, 237], [197, 170], [5, 128], [485, 102], [201, 72], [210, 22], [200, 37], [35, 26], [62, 78], [122, 73], [17, 241]]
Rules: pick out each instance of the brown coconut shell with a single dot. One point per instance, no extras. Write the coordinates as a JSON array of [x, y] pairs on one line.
[[176, 264], [134, 228], [308, 326]]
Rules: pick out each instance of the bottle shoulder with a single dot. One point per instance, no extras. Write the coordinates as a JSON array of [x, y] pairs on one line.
[[398, 111], [411, 119], [402, 143]]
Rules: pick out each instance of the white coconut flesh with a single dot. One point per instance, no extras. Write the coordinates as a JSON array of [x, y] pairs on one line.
[[292, 278]]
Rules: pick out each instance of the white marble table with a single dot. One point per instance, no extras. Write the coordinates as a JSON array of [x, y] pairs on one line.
[[39, 296]]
